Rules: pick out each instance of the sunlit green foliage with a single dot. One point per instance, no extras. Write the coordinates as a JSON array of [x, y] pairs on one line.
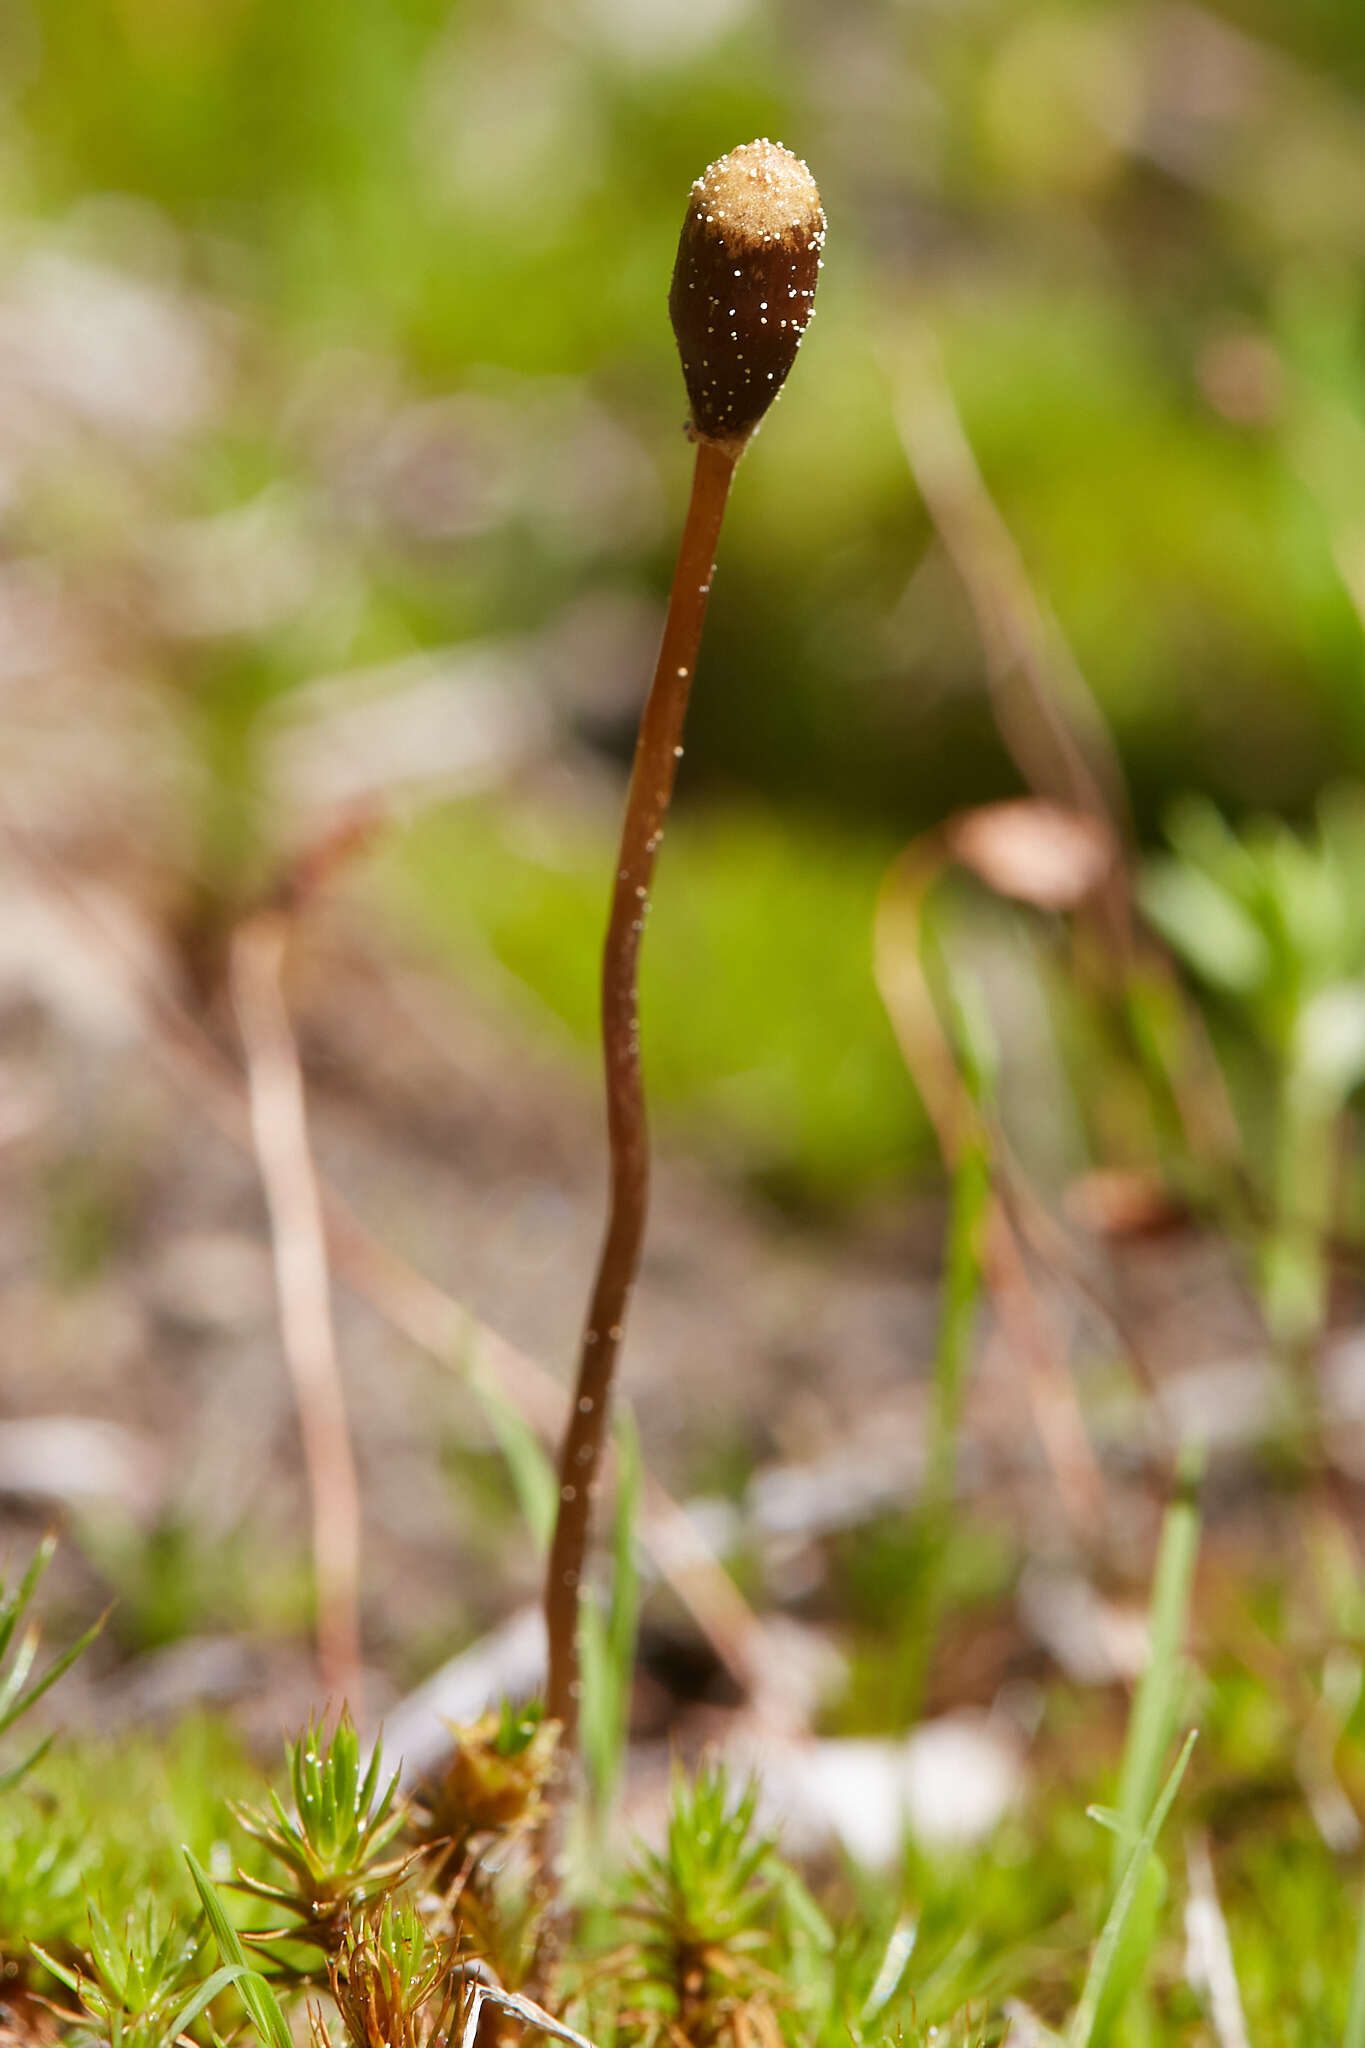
[[725, 1941], [1270, 922], [20, 1635], [331, 1846], [135, 1995]]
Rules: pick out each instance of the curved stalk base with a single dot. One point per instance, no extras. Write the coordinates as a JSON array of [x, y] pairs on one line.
[[657, 752]]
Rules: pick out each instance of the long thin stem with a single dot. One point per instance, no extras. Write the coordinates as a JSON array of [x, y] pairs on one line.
[[651, 785], [279, 1126]]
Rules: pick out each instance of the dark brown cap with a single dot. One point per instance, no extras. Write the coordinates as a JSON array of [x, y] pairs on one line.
[[744, 284]]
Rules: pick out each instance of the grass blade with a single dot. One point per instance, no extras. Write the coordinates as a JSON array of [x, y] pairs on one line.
[[57, 1669], [894, 1964], [607, 1641], [10, 1778], [257, 1995], [59, 1970], [1156, 1703], [1111, 1935], [13, 1610], [230, 1973], [534, 1478]]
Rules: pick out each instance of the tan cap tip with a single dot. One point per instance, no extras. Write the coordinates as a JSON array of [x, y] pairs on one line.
[[744, 283]]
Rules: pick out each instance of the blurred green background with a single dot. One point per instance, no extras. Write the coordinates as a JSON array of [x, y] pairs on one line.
[[333, 339]]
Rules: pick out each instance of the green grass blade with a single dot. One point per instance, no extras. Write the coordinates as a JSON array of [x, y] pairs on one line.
[[229, 1973], [257, 1995], [960, 1302], [59, 1970], [10, 1778], [962, 1295], [1354, 2037], [365, 1797], [12, 1611], [892, 1968], [534, 1479], [1106, 1955], [224, 1933], [607, 1642], [57, 1669], [17, 1675], [963, 1267], [1152, 1722], [623, 1615]]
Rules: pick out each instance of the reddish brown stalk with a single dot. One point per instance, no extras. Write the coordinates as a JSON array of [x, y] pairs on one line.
[[657, 753], [741, 298]]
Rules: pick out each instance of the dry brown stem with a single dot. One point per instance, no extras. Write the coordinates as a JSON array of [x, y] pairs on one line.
[[928, 1057], [279, 1131], [1047, 718], [1046, 713]]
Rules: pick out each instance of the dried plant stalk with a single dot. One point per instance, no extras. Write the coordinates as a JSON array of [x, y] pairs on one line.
[[279, 1129]]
